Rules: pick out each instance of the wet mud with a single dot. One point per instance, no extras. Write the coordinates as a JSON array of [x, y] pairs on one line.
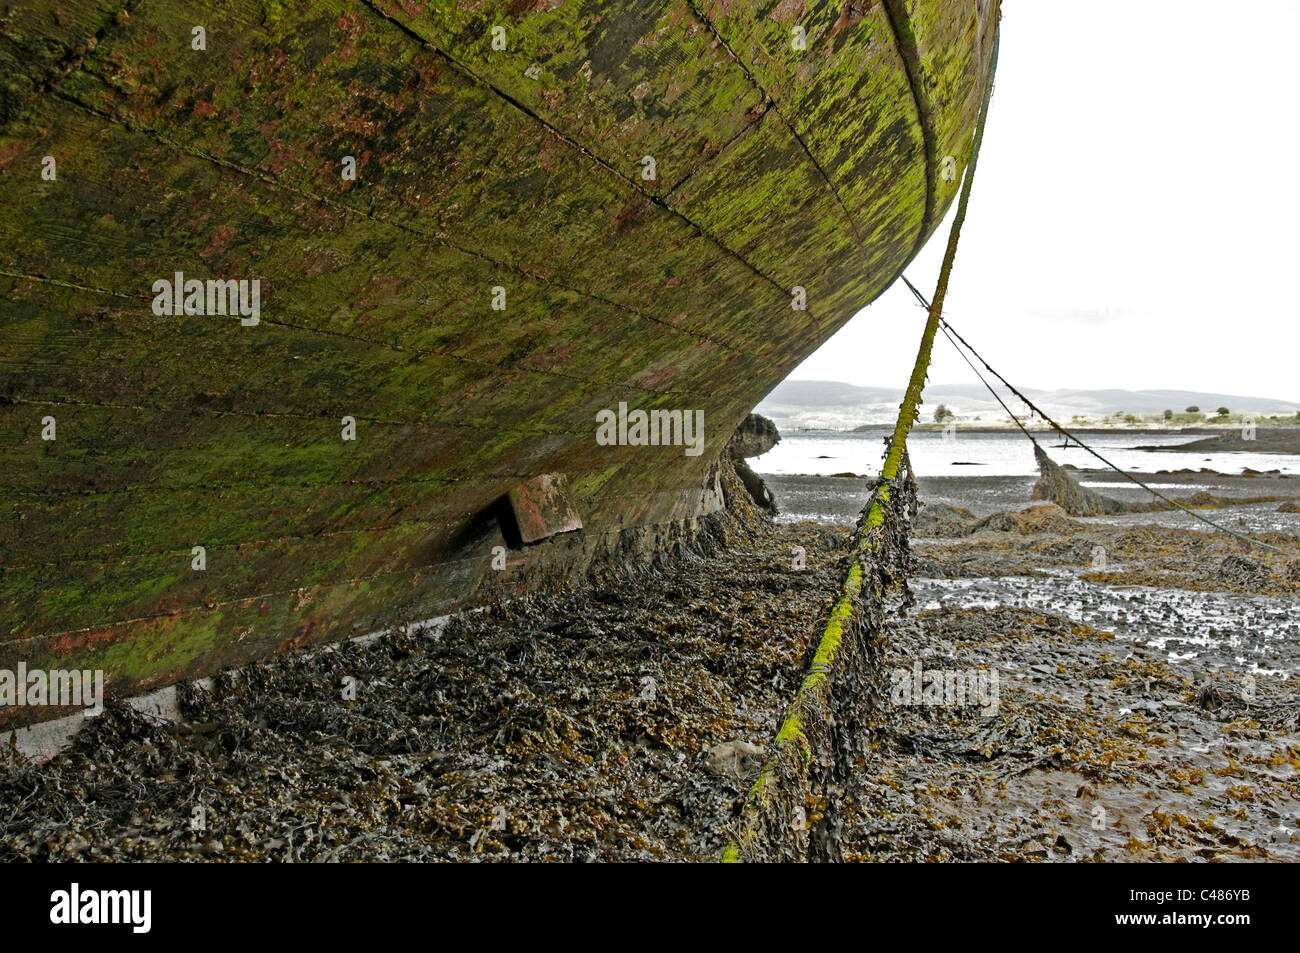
[[1145, 704], [1095, 749]]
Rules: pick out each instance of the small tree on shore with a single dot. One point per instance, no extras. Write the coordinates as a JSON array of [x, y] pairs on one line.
[[942, 414], [1169, 415], [1223, 411], [1193, 409]]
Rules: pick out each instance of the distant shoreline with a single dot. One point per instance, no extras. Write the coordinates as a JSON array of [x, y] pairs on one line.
[[1265, 441], [1264, 434]]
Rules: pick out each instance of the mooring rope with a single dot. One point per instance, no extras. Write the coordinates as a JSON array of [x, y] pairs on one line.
[[950, 332], [815, 691]]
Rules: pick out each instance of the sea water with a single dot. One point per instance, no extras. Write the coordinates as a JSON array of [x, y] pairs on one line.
[[934, 454]]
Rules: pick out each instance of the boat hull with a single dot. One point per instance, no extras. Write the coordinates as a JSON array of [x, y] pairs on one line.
[[627, 204]]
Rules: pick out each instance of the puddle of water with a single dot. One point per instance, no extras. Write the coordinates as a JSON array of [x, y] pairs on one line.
[[1255, 634]]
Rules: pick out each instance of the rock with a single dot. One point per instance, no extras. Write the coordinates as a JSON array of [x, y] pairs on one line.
[[1290, 506], [1242, 571], [754, 437], [999, 523], [1047, 518], [1056, 486], [734, 758], [939, 519], [927, 568], [754, 485], [1211, 698]]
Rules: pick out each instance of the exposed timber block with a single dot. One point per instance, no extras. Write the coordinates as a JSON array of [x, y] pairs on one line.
[[543, 507]]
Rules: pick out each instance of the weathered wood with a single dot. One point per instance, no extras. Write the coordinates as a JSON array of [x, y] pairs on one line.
[[476, 169]]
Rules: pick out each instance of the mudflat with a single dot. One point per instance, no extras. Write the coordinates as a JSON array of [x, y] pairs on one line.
[[1145, 709], [1260, 440], [1104, 689]]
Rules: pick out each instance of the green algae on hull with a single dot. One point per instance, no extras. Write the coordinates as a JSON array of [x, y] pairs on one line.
[[477, 168]]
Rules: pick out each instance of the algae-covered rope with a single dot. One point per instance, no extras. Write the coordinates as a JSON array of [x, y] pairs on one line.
[[950, 332], [871, 532]]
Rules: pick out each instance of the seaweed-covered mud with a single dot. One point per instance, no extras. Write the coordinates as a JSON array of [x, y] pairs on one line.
[[1040, 553], [1058, 689], [1078, 690], [619, 720], [1015, 734]]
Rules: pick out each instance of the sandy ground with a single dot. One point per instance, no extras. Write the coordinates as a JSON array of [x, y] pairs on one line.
[[838, 499]]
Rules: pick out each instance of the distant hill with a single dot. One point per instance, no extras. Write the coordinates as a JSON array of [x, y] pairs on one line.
[[834, 405]]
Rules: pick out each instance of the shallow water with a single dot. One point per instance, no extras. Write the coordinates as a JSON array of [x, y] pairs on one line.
[[1224, 631], [824, 452]]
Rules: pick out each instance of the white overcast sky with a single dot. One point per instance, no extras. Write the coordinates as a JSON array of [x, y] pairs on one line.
[[1135, 212]]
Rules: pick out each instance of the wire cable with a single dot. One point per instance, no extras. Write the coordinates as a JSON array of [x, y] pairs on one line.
[[950, 332]]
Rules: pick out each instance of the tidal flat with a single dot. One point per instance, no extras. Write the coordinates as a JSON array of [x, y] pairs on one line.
[[1142, 708], [1146, 706]]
